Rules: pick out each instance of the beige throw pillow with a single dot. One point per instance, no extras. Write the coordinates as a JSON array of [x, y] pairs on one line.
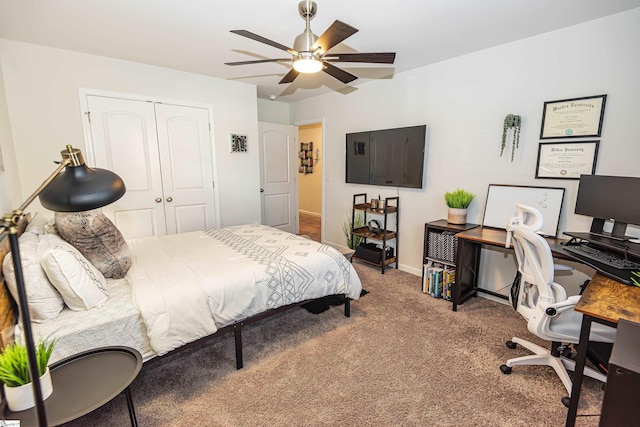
[[95, 236]]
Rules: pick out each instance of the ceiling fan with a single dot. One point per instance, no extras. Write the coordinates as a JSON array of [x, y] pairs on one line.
[[309, 52]]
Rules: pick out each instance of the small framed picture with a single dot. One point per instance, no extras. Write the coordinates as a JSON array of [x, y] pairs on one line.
[[566, 160]]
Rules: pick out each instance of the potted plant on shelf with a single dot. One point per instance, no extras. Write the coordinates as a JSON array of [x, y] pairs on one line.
[[458, 201], [14, 373], [352, 240]]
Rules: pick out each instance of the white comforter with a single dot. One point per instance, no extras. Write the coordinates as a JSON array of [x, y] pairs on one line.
[[188, 285]]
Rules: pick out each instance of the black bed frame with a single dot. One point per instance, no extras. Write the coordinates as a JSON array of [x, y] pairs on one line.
[[236, 327]]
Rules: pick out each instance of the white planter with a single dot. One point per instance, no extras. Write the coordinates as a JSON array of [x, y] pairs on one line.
[[457, 216], [21, 397]]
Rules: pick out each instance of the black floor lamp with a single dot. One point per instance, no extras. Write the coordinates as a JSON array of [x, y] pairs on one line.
[[72, 187]]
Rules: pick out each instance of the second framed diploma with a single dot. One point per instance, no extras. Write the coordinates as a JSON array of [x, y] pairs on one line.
[[564, 160]]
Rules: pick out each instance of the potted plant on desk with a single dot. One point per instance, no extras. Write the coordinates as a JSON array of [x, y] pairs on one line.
[[458, 201], [14, 373]]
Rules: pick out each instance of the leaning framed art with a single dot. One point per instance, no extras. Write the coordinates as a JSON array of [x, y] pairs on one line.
[[573, 118]]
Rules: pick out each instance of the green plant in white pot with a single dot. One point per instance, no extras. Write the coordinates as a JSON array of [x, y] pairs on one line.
[[458, 201], [14, 373]]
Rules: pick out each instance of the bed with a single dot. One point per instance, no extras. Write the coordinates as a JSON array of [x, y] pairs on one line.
[[185, 288]]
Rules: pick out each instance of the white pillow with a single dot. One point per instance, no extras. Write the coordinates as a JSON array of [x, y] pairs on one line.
[[45, 303], [81, 285]]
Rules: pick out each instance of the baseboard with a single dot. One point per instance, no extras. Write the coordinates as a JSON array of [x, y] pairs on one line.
[[401, 267], [300, 211], [410, 270]]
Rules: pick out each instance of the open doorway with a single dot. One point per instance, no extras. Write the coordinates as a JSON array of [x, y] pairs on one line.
[[310, 180]]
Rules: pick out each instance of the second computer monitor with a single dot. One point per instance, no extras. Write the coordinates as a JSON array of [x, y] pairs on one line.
[[615, 198]]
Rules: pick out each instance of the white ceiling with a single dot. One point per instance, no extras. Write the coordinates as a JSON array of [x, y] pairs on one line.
[[193, 35]]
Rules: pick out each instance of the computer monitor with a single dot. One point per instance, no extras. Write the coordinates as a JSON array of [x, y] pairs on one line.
[[615, 198]]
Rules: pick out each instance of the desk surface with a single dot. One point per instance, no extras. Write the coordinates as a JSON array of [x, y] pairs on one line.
[[610, 300], [498, 237]]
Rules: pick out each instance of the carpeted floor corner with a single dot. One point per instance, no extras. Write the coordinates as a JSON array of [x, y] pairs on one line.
[[401, 359]]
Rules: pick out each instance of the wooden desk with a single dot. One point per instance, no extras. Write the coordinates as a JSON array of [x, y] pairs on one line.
[[468, 260], [604, 301]]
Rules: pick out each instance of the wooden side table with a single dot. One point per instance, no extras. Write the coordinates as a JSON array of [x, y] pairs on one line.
[[604, 301], [84, 382]]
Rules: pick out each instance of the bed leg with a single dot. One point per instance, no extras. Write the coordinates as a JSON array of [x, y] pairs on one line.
[[237, 333], [347, 307]]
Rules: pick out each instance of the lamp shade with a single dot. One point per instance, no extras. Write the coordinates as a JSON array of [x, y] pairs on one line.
[[80, 188], [307, 65]]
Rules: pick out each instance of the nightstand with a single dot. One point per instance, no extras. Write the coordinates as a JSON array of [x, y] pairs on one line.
[[84, 382]]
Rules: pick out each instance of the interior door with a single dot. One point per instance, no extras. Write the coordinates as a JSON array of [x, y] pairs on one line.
[[124, 140], [187, 172], [278, 176]]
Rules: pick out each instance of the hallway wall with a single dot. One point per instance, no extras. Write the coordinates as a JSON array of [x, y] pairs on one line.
[[310, 185]]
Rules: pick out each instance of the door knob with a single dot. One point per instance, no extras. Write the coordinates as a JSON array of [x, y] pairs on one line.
[[262, 190], [169, 199], [158, 199]]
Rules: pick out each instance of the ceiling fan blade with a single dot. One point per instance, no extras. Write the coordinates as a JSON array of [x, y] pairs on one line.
[[258, 61], [337, 32], [375, 58], [339, 74], [291, 76], [261, 39]]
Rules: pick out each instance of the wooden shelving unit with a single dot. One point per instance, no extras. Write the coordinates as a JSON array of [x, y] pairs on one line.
[[389, 229], [441, 247]]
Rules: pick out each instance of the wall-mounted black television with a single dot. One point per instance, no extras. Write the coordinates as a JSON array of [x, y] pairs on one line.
[[389, 157]]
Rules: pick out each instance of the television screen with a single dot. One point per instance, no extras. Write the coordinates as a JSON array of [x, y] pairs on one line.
[[389, 157]]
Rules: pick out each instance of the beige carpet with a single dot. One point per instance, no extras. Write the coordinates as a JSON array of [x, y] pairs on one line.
[[402, 359], [310, 225]]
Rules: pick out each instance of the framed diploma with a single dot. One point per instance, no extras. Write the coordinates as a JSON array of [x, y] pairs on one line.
[[566, 160], [573, 118]]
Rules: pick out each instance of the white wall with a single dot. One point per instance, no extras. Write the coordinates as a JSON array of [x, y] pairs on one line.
[[41, 87], [273, 112], [463, 102], [9, 181]]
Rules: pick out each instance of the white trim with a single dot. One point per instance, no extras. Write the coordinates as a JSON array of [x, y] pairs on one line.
[[309, 213]]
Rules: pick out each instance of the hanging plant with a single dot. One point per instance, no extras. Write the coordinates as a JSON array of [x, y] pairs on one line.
[[512, 121]]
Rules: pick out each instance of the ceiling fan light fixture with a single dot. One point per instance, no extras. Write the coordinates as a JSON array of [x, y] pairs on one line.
[[309, 52], [307, 65]]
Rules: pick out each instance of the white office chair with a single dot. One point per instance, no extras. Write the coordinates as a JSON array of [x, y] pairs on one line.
[[543, 303]]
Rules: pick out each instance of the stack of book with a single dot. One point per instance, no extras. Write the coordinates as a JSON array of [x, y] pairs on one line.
[[438, 281]]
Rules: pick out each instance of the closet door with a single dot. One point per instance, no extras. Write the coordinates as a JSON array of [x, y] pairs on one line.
[[163, 153], [186, 167], [124, 140]]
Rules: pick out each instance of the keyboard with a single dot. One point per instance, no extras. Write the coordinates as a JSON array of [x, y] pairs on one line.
[[607, 258]]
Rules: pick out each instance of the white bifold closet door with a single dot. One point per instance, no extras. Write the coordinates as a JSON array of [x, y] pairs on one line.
[[163, 154]]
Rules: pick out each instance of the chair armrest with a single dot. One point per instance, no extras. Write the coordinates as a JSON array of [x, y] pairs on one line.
[[565, 305]]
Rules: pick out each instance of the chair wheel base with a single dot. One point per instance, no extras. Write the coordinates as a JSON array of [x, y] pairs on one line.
[[510, 344], [566, 401], [505, 369]]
